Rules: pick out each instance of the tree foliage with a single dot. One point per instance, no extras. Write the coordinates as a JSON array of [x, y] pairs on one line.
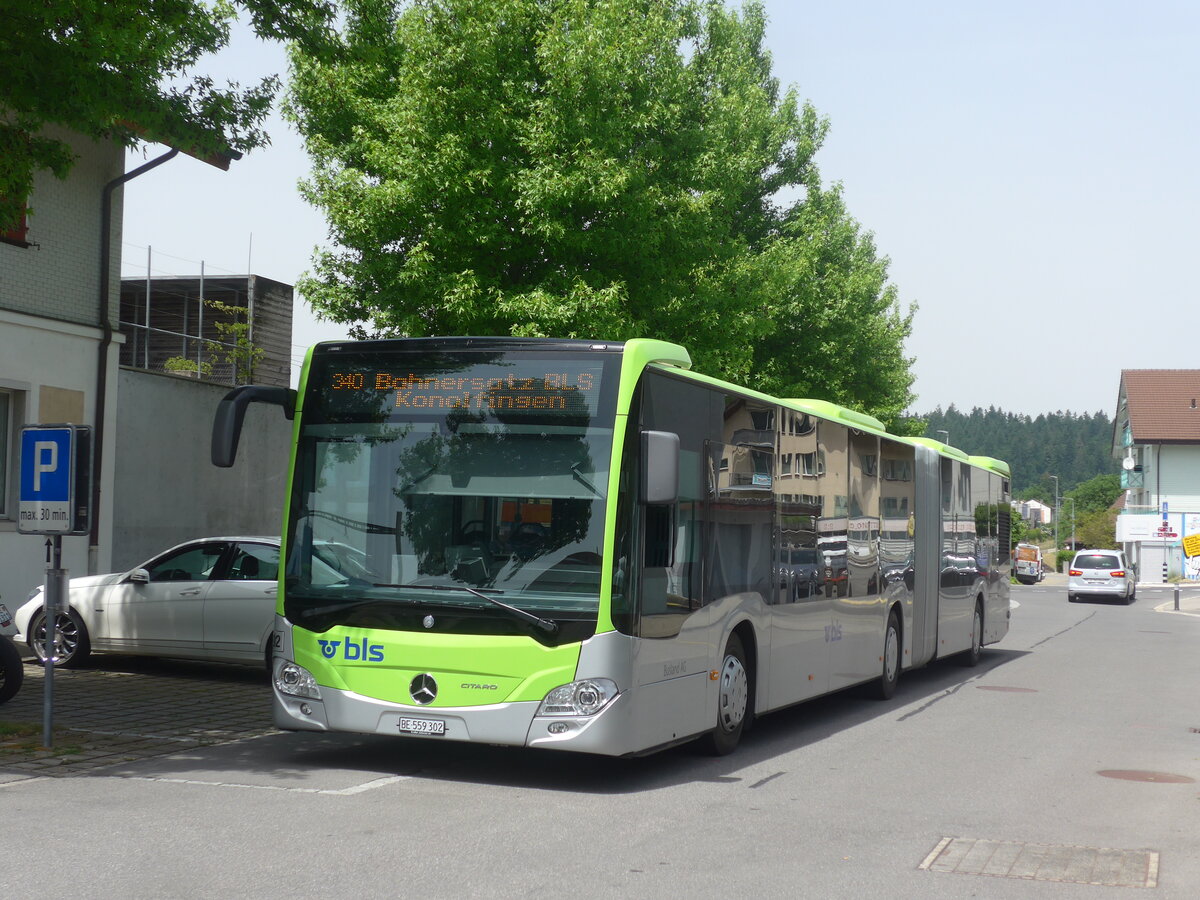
[[591, 168], [1076, 448], [1096, 494], [1096, 528], [119, 71]]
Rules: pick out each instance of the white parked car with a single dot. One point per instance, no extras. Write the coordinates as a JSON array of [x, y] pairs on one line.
[[211, 599], [1102, 573]]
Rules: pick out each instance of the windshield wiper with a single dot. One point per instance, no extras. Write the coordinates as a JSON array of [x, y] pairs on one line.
[[578, 476], [546, 625]]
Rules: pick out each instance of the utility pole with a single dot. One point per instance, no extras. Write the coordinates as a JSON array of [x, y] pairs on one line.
[[1056, 545], [1072, 501]]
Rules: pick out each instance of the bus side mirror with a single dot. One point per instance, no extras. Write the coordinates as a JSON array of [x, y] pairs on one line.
[[660, 467], [227, 424]]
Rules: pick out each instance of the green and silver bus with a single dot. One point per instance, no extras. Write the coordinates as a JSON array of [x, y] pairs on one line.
[[587, 546]]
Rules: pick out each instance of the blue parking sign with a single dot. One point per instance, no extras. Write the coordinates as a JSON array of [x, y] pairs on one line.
[[47, 480]]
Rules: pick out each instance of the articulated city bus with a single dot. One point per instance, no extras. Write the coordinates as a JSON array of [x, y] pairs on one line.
[[586, 546]]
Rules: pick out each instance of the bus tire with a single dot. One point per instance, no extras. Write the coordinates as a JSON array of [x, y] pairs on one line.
[[733, 700], [970, 657], [885, 687], [72, 638], [12, 670]]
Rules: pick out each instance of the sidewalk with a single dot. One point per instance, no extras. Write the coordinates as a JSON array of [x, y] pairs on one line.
[[120, 709]]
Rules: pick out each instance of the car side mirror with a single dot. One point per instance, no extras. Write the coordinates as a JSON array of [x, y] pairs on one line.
[[138, 576]]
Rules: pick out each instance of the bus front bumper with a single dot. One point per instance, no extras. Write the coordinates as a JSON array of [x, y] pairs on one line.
[[510, 724]]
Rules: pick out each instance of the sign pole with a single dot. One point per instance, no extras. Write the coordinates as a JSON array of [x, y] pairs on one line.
[[54, 601], [55, 499]]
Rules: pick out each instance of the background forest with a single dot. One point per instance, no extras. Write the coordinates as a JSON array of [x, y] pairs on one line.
[[1076, 448]]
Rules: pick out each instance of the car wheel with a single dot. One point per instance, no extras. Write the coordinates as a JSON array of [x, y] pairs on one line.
[[12, 670], [733, 700], [71, 639], [885, 687], [971, 657]]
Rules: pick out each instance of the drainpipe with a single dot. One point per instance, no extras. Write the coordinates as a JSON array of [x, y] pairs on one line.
[[105, 341]]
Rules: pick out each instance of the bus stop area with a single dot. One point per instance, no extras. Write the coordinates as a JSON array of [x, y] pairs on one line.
[[119, 709]]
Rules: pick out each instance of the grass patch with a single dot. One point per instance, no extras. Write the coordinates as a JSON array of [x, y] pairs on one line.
[[26, 737]]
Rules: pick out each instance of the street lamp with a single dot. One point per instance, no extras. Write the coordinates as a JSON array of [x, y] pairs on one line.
[[946, 433], [1055, 477]]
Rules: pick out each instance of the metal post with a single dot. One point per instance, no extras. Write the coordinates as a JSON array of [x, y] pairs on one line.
[[146, 333], [200, 327], [1056, 545], [54, 601], [1177, 598]]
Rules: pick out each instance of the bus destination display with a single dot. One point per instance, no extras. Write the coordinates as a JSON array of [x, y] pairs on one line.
[[475, 390]]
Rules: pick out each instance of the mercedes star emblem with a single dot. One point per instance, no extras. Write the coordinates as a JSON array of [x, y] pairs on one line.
[[423, 689], [427, 621]]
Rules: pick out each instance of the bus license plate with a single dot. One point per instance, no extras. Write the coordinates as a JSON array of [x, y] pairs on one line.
[[422, 726]]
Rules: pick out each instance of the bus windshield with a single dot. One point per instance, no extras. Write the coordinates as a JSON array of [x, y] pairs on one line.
[[466, 485]]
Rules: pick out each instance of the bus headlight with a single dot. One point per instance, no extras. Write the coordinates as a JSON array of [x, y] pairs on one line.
[[579, 698], [296, 681]]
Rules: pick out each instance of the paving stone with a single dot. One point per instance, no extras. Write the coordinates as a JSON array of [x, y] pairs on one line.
[[119, 709]]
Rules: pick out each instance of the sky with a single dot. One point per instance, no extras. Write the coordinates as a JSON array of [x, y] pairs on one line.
[[1029, 169]]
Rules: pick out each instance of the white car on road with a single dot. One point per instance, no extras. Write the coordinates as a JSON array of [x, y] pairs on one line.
[[1101, 573]]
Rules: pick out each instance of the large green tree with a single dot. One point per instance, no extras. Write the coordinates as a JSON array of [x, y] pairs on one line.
[[120, 71], [591, 168]]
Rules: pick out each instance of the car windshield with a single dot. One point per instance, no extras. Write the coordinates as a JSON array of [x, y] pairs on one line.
[[435, 482], [1097, 561]]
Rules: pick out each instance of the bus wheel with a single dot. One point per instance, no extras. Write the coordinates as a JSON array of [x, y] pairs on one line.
[[886, 686], [971, 657], [733, 700], [12, 670]]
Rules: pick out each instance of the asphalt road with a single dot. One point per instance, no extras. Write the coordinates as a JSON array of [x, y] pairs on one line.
[[1074, 744]]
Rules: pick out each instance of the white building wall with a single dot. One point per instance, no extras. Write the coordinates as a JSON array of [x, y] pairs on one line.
[[49, 339], [1172, 474], [58, 277], [1180, 484], [49, 369]]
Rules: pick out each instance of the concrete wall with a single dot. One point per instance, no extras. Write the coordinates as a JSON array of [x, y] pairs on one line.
[[167, 490]]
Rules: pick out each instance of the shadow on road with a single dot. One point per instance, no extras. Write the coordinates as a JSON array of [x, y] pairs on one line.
[[310, 761]]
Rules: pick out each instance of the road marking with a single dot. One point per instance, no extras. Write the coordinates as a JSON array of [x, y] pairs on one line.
[[344, 792]]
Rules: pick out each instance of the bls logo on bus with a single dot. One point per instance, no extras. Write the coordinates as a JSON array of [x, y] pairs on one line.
[[833, 633], [352, 650]]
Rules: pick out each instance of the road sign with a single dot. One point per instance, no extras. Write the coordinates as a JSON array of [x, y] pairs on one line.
[[55, 494], [1191, 545]]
